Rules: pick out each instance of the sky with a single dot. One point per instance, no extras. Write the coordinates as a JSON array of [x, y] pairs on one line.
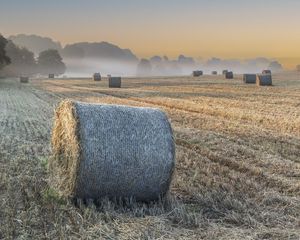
[[198, 28]]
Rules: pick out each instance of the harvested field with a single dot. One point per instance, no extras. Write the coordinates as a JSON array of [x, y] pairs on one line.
[[237, 153]]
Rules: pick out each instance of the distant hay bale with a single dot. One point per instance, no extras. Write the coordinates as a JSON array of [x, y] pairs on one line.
[[224, 72], [264, 80], [249, 78], [214, 73], [229, 75], [114, 82], [197, 73], [97, 77], [24, 79], [266, 72], [111, 151], [51, 76]]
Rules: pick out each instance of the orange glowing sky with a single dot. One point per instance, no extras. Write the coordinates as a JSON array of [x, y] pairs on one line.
[[197, 28]]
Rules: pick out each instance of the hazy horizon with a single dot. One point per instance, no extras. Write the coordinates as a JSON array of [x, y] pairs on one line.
[[200, 29]]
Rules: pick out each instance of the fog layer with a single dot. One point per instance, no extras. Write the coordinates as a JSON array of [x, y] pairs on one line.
[[157, 66], [83, 59]]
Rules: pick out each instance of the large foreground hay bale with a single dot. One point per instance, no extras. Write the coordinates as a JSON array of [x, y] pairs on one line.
[[264, 80], [97, 77], [111, 151], [114, 82], [229, 75], [24, 79], [249, 78], [197, 73]]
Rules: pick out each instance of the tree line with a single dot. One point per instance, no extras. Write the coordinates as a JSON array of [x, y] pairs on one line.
[[18, 61]]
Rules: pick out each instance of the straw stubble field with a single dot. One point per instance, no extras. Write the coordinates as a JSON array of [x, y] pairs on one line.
[[237, 151]]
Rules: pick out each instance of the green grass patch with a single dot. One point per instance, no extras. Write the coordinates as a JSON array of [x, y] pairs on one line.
[[50, 195]]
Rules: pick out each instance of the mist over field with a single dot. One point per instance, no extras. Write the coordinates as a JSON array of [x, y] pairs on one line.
[[86, 67], [82, 59]]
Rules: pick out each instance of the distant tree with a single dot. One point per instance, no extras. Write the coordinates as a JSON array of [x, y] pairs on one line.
[[73, 51], [4, 59], [50, 62], [166, 58], [22, 61], [185, 60], [34, 43], [214, 62], [275, 66], [158, 66], [144, 68], [156, 60]]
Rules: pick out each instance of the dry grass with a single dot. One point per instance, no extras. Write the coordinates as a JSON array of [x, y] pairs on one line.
[[64, 166], [237, 173]]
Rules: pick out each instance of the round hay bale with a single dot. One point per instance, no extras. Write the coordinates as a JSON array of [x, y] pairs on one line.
[[197, 73], [111, 151], [249, 78], [24, 79], [51, 76], [214, 73], [97, 77], [229, 75], [224, 72], [114, 82], [264, 80], [266, 72]]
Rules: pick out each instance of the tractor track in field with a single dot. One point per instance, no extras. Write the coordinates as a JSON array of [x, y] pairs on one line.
[[255, 173], [167, 106]]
